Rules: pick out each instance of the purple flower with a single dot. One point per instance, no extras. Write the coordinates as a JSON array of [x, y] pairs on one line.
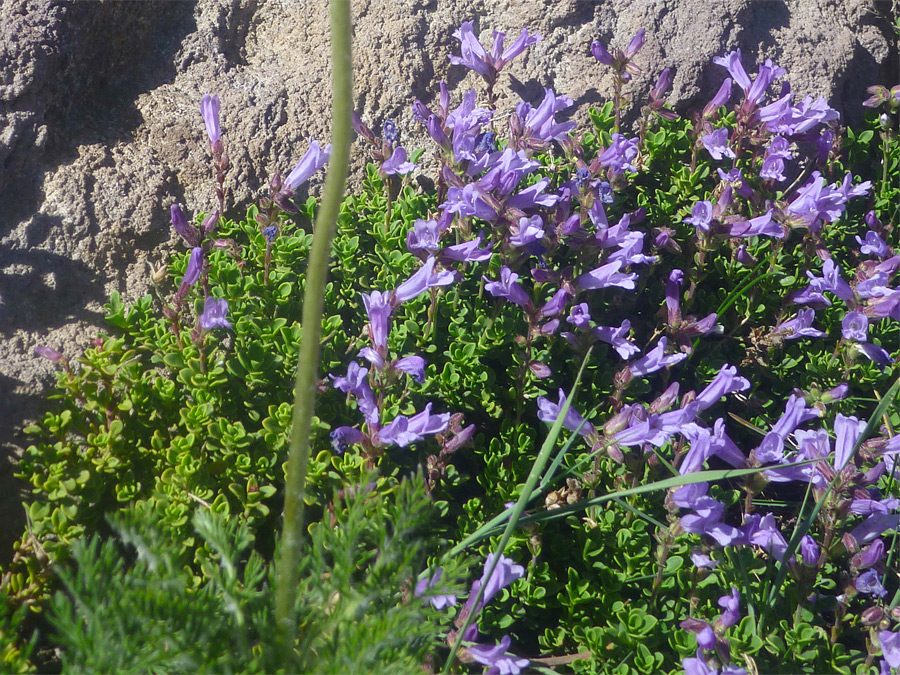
[[580, 316], [48, 353], [378, 308], [717, 101], [706, 636], [809, 550], [799, 326], [655, 359], [527, 231], [209, 108], [890, 647], [548, 412], [847, 431], [663, 82], [605, 276], [716, 144], [423, 238], [420, 282], [437, 601], [773, 162], [343, 437], [601, 54], [555, 304], [870, 583], [762, 225], [503, 575], [619, 155], [496, 659], [869, 556], [214, 312], [875, 354], [761, 531], [412, 365], [540, 123], [703, 561], [617, 337], [180, 224], [701, 215], [488, 66], [725, 382], [508, 288], [195, 264], [732, 61], [854, 326], [731, 603], [469, 201], [404, 430], [635, 44], [468, 251], [397, 164], [873, 245], [314, 159], [816, 201], [390, 132]]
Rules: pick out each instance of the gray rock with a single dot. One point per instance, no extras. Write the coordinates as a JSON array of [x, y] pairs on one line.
[[100, 129]]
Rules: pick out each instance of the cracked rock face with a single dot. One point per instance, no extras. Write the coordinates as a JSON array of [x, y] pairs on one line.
[[100, 129]]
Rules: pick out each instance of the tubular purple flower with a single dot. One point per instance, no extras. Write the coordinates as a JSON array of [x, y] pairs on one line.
[[763, 532], [601, 54], [468, 251], [473, 55], [378, 307], [846, 430], [869, 556], [396, 163], [732, 62], [767, 73], [548, 412], [424, 238], [580, 316], [180, 224], [373, 357], [662, 85], [701, 215], [716, 143], [195, 264], [504, 574], [344, 436], [619, 155], [605, 276], [209, 109], [673, 300], [213, 316], [523, 42], [731, 603], [437, 601], [890, 647], [759, 226], [412, 365], [874, 353], [727, 381], [870, 584], [809, 551], [799, 326], [635, 44], [314, 159], [555, 304], [874, 245], [706, 636], [508, 288], [420, 282], [717, 101], [854, 326], [496, 659], [655, 359]]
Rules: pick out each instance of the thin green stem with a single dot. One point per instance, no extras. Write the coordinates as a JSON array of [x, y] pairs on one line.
[[313, 303]]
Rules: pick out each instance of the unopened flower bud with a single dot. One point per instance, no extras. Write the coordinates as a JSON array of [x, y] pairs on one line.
[[275, 183], [217, 147], [169, 313], [209, 223], [884, 122], [665, 400], [850, 543], [615, 453], [871, 616], [540, 370], [48, 353]]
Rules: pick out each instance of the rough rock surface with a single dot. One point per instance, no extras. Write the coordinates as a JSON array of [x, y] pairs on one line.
[[100, 130]]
